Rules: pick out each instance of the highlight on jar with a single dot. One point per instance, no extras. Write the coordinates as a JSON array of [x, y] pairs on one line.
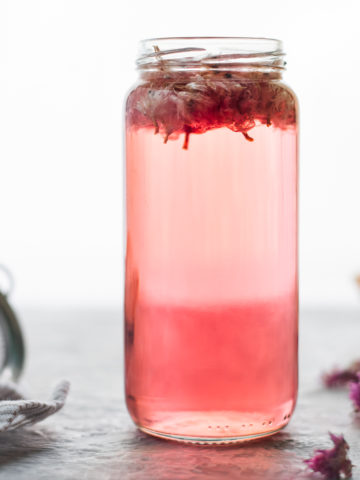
[[211, 288]]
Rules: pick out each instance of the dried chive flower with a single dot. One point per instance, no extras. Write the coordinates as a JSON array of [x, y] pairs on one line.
[[333, 463], [354, 393], [341, 377]]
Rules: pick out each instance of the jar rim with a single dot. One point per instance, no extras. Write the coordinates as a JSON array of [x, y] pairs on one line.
[[277, 44], [203, 52]]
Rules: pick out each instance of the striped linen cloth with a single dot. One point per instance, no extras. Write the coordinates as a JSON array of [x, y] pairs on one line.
[[16, 411]]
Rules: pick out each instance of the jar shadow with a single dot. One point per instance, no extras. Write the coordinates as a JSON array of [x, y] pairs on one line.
[[147, 457]]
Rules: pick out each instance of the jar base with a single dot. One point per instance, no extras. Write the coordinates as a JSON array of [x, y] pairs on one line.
[[215, 427], [210, 440]]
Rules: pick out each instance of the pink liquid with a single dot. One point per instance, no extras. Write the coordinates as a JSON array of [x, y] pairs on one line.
[[211, 283]]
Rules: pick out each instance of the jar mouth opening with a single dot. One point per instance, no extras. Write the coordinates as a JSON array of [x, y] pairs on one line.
[[177, 53]]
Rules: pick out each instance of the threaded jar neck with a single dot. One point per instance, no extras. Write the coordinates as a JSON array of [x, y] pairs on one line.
[[247, 55]]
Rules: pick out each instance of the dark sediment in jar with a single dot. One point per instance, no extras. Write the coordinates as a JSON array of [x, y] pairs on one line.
[[173, 103]]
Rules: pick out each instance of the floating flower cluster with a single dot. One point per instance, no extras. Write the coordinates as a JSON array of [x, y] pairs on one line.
[[333, 463], [173, 103]]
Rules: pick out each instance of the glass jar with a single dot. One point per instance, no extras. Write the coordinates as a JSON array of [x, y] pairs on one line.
[[211, 296]]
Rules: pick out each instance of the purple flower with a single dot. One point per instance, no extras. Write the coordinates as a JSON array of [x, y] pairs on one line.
[[332, 462], [354, 393], [339, 378]]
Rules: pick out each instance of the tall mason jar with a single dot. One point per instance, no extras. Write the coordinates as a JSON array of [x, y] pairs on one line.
[[211, 297]]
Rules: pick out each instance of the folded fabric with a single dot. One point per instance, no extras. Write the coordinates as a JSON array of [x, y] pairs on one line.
[[16, 411]]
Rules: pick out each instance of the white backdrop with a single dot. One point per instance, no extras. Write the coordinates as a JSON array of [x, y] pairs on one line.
[[65, 68]]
